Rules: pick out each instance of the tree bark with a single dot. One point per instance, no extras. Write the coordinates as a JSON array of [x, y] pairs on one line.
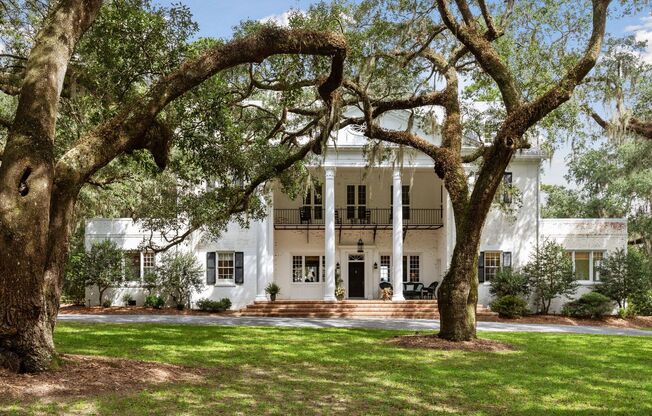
[[26, 180], [38, 193]]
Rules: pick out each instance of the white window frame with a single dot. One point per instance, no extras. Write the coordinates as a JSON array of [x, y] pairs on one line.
[[217, 267], [388, 265], [310, 201], [356, 205], [488, 267], [321, 273], [143, 267], [592, 272]]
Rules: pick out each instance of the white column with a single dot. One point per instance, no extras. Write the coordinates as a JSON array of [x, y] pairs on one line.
[[329, 235], [261, 258], [397, 237]]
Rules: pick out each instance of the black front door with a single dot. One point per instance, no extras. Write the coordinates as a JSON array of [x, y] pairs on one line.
[[356, 279]]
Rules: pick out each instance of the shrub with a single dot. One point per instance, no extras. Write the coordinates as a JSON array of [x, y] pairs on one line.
[[102, 266], [589, 305], [550, 274], [209, 305], [74, 284], [154, 301], [127, 299], [106, 303], [509, 306], [641, 303], [622, 275], [150, 282], [509, 282], [179, 275]]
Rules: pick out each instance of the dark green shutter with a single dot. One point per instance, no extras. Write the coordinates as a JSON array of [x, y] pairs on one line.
[[239, 267], [481, 267], [507, 259], [405, 269], [507, 181], [210, 268]]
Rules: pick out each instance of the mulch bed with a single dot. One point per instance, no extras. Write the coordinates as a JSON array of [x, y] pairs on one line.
[[81, 375], [610, 321], [435, 343], [134, 310]]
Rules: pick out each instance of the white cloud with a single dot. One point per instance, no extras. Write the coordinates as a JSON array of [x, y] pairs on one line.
[[643, 33], [282, 19]]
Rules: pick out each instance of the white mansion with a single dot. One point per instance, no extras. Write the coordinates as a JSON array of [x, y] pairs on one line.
[[368, 225]]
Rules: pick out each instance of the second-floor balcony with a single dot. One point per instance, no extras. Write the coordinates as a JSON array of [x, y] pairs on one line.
[[356, 218]]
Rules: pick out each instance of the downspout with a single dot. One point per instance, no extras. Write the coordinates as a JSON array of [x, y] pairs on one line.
[[538, 200]]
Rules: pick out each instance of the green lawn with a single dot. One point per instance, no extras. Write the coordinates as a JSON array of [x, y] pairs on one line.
[[354, 372]]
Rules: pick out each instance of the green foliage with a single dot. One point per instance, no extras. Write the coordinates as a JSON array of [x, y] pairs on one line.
[[509, 282], [106, 303], [641, 303], [509, 306], [589, 305], [127, 298], [74, 281], [550, 274], [102, 265], [180, 275], [622, 275], [272, 289], [154, 301], [209, 305], [150, 282]]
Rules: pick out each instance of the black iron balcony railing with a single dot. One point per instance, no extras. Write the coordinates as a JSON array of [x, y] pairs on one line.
[[357, 218]]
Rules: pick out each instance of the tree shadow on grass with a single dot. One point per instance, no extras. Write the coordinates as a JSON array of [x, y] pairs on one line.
[[342, 371]]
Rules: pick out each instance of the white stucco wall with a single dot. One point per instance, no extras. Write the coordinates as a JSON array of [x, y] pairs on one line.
[[599, 234], [128, 236], [425, 243]]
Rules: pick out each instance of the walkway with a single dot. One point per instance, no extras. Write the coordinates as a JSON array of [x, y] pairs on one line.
[[405, 324]]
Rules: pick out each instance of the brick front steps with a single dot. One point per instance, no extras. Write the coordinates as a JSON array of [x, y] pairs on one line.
[[408, 309]]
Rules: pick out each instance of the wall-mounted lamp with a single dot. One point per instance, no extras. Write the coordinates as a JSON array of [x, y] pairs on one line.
[[360, 246], [337, 266], [375, 266]]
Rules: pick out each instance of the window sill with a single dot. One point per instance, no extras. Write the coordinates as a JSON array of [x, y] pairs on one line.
[[225, 284], [307, 283]]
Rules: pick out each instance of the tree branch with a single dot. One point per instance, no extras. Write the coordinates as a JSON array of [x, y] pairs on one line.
[[562, 91], [635, 126], [486, 55], [120, 133]]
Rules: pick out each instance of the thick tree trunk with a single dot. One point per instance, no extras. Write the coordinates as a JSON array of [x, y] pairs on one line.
[[457, 297], [28, 294], [458, 294]]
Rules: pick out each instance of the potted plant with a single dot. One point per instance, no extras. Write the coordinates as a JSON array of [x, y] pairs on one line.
[[272, 290], [128, 299], [339, 292]]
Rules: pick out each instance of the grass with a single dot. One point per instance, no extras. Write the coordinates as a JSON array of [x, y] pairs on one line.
[[339, 371]]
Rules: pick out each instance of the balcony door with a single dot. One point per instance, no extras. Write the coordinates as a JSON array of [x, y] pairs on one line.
[[356, 203]]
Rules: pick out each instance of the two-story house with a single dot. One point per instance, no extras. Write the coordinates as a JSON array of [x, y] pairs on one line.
[[364, 225]]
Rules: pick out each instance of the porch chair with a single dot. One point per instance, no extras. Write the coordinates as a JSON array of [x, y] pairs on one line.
[[412, 290], [430, 291]]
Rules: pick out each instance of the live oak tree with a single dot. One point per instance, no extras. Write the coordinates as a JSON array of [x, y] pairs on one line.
[[623, 84], [108, 113], [612, 168], [517, 58]]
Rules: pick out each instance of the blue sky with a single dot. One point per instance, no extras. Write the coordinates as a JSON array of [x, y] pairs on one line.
[[216, 18]]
